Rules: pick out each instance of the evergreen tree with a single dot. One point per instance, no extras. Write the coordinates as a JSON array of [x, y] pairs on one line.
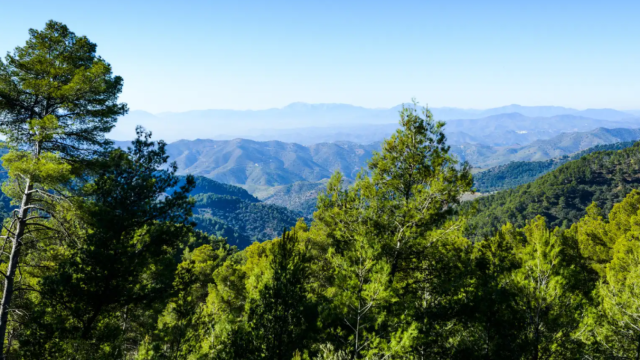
[[612, 326], [119, 261], [179, 330], [545, 296], [57, 100], [495, 321], [282, 319], [384, 237]]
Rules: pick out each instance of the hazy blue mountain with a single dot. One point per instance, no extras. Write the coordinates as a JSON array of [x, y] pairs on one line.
[[564, 144], [531, 111], [340, 121], [361, 134], [604, 114], [495, 130], [492, 126]]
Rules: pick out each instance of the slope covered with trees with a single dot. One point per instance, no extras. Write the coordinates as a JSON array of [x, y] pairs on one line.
[[230, 212], [521, 172], [208, 186], [562, 195], [241, 222]]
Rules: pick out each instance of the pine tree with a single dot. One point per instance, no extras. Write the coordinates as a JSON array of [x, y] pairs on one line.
[[384, 236], [57, 101]]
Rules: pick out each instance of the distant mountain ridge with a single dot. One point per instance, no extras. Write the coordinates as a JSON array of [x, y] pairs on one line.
[[274, 163], [563, 144], [269, 163], [495, 130], [256, 124]]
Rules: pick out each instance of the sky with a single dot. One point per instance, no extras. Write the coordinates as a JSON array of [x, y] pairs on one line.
[[186, 55]]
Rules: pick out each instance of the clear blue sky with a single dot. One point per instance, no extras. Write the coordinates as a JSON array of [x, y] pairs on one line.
[[184, 55]]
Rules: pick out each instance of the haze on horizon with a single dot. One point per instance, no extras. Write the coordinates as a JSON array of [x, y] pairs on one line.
[[376, 54]]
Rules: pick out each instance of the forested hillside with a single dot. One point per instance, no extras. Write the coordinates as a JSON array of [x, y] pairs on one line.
[[230, 212], [241, 222], [562, 195], [208, 186], [516, 173]]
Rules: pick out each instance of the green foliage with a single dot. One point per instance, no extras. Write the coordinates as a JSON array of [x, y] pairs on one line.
[[57, 82], [241, 222], [58, 99], [545, 297], [518, 173], [178, 331], [563, 195], [118, 260], [612, 248], [384, 238], [282, 320]]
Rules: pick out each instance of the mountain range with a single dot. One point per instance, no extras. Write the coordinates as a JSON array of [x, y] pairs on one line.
[[255, 164], [484, 156], [313, 123], [269, 163]]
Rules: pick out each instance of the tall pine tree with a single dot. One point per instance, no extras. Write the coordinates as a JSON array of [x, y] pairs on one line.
[[57, 101]]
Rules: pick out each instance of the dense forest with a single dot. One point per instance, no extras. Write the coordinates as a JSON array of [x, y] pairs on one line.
[[252, 221], [517, 173], [563, 195], [102, 256]]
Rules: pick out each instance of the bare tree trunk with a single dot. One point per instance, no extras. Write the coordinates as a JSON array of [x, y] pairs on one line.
[[13, 263]]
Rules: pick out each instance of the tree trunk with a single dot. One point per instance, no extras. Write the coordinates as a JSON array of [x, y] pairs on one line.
[[13, 263]]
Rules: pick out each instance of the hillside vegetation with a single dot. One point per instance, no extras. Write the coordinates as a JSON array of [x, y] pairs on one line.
[[517, 173], [230, 212], [241, 222], [562, 195]]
